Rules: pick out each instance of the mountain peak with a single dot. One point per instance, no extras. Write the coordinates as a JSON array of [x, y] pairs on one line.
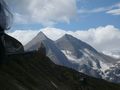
[[68, 36], [36, 41], [41, 35], [74, 45]]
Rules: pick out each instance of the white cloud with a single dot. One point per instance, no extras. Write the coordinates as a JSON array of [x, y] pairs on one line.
[[114, 11], [101, 38], [47, 12], [96, 10], [24, 36], [53, 33], [20, 18]]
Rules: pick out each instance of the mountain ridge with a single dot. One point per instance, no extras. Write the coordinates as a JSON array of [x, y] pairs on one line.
[[77, 55]]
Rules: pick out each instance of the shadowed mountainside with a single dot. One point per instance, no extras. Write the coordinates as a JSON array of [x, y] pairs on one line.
[[34, 71]]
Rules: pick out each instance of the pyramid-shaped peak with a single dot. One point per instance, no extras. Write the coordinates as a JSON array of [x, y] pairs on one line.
[[41, 36], [69, 38], [68, 35], [72, 43]]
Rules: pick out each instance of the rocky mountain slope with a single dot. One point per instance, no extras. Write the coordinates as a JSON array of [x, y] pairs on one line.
[[113, 73], [90, 61]]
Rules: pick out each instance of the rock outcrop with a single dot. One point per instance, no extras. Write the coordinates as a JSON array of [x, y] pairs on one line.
[[11, 45]]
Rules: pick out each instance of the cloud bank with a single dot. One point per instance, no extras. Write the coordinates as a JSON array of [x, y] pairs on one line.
[[101, 38], [46, 12]]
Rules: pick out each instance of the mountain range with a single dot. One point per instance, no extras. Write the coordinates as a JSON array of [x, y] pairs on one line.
[[51, 49], [73, 53]]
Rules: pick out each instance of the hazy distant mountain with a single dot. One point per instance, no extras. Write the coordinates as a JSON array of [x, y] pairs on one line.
[[52, 51]]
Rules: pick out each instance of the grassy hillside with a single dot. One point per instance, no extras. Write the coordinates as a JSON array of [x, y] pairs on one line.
[[34, 71]]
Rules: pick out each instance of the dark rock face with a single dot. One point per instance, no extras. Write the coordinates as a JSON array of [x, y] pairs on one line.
[[11, 45], [42, 49]]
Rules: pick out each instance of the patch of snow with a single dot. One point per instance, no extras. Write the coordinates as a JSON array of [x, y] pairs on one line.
[[104, 66], [69, 55]]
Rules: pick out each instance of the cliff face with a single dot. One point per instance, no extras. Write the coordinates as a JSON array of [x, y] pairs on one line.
[[34, 71], [11, 45]]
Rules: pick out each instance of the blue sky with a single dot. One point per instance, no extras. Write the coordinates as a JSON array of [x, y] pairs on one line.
[[95, 19], [88, 14]]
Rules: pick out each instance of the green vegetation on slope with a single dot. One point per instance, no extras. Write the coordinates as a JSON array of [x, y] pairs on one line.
[[34, 71]]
